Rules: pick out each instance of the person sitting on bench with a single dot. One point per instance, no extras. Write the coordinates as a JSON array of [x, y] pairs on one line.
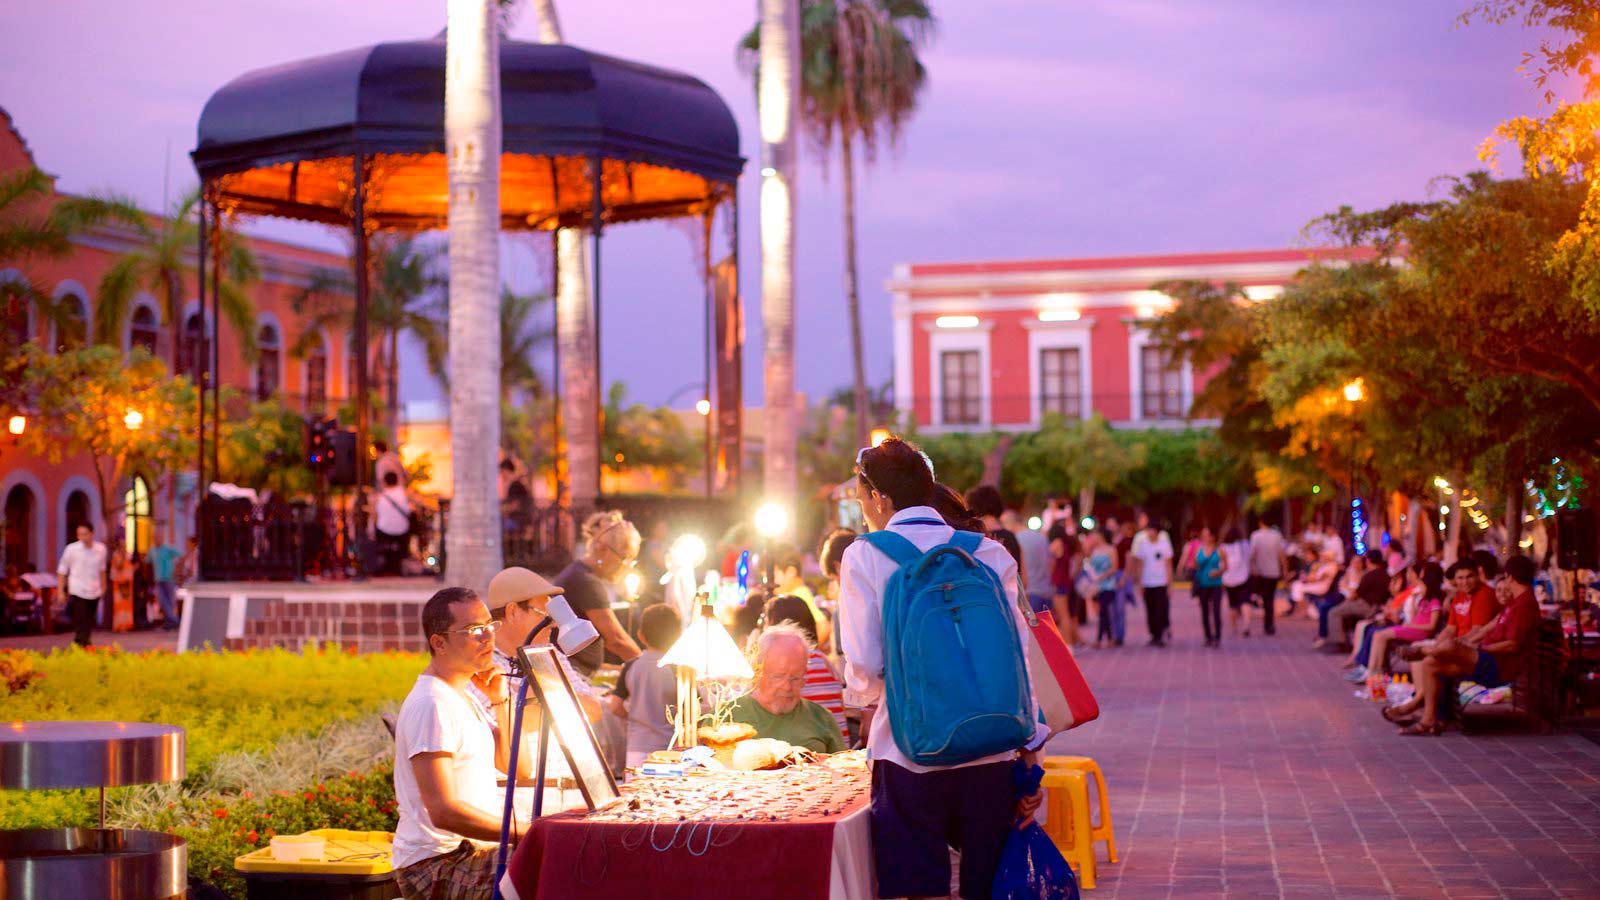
[[1490, 655]]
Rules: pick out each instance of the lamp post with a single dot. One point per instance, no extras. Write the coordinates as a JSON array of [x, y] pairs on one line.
[[1354, 393], [133, 419], [771, 521]]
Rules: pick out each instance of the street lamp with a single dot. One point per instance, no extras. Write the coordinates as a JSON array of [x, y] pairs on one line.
[[17, 425], [771, 521], [703, 406], [134, 419], [1355, 391]]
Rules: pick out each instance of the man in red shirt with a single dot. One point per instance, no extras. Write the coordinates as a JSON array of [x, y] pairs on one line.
[[1490, 654]]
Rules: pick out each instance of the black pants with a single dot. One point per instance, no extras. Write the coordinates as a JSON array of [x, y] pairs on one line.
[[1157, 612], [1210, 610], [83, 610], [1266, 588]]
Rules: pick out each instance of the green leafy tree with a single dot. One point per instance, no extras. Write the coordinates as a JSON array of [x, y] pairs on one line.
[[123, 413], [1081, 456], [160, 263], [266, 450], [637, 436], [860, 80]]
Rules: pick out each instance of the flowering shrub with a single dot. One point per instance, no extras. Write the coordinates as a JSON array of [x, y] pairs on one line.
[[220, 833], [272, 739]]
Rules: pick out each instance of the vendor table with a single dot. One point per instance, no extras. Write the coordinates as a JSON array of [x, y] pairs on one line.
[[799, 833]]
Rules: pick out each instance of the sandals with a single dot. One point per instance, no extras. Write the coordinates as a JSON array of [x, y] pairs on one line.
[[1420, 730], [1393, 714]]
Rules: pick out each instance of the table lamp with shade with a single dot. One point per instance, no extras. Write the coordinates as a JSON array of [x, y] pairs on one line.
[[704, 652]]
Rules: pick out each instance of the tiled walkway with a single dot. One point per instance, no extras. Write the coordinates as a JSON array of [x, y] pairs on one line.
[[1251, 771]]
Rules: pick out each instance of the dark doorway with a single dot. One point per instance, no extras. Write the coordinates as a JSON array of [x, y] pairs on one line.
[[78, 514], [19, 528]]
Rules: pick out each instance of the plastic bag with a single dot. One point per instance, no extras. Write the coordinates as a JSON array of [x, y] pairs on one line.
[[1031, 868]]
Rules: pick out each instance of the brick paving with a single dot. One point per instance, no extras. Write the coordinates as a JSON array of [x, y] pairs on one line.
[[1252, 771]]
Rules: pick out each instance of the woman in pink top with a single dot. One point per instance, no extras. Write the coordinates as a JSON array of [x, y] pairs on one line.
[[1422, 624], [823, 686]]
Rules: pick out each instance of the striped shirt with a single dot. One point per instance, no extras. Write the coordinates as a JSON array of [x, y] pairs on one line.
[[824, 689]]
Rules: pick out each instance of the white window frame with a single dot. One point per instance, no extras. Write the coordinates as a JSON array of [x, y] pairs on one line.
[[263, 319], [142, 300], [1054, 336], [70, 287], [1138, 339], [945, 340]]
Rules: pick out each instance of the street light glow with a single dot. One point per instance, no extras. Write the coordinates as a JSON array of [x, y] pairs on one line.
[[1035, 523], [134, 419], [17, 424], [879, 435], [688, 551], [703, 406], [771, 519], [1087, 523], [1355, 391]]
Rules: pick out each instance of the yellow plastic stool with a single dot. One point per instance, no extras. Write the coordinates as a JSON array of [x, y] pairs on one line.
[[1102, 829], [1066, 811]]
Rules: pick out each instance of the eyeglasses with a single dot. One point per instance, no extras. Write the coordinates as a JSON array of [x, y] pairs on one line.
[[481, 630]]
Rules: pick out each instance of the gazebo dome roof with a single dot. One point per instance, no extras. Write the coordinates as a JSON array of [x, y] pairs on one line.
[[282, 140]]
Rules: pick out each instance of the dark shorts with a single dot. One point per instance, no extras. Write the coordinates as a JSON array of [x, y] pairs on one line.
[[917, 816], [1487, 671], [1238, 595]]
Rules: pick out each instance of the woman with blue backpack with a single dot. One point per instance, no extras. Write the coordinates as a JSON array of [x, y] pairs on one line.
[[935, 647]]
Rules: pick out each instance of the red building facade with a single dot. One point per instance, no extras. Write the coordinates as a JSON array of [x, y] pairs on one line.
[[999, 345], [43, 502]]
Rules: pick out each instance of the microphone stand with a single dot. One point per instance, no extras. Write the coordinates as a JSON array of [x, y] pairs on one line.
[[511, 767]]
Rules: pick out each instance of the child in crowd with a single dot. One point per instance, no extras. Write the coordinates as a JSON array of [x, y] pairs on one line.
[[646, 689]]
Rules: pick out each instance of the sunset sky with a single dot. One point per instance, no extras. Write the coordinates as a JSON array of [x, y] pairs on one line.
[[1065, 128]]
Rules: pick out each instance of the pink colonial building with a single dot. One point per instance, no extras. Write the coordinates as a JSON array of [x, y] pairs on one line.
[[985, 346]]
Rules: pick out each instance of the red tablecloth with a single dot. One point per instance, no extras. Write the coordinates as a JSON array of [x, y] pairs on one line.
[[568, 856]]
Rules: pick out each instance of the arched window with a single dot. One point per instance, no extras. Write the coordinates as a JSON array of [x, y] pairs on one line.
[[77, 514], [72, 330], [136, 531], [267, 377], [142, 330], [19, 528], [194, 356], [19, 321], [317, 378]]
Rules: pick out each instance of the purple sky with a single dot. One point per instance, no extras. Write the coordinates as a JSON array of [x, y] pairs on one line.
[[1048, 128]]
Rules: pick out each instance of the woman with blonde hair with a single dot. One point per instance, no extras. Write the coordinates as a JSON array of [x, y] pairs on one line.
[[610, 546]]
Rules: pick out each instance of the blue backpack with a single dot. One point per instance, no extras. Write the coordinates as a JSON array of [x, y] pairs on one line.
[[955, 683]]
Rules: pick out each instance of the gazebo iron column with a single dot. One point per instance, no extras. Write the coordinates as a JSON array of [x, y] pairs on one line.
[[555, 329], [709, 333], [736, 467], [200, 393], [597, 173], [214, 363], [359, 227]]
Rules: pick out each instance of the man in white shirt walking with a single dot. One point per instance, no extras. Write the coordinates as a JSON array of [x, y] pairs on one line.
[[919, 812], [1152, 555], [82, 571], [1268, 564]]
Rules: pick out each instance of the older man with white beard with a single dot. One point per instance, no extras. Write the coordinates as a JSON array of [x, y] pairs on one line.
[[774, 708]]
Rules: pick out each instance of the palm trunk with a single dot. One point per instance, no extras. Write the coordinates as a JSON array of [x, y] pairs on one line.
[[1514, 500], [575, 324], [472, 140], [394, 388], [778, 98], [852, 292]]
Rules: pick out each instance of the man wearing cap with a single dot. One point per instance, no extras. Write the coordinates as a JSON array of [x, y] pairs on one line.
[[517, 599]]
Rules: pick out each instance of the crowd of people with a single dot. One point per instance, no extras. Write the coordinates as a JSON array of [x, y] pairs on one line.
[[820, 663]]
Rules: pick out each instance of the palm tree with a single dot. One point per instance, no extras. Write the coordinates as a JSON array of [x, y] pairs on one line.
[[472, 145], [406, 295], [860, 80], [160, 264], [777, 100], [36, 224], [525, 333]]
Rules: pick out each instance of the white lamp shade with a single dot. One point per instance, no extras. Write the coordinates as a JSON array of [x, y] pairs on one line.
[[575, 632], [707, 648]]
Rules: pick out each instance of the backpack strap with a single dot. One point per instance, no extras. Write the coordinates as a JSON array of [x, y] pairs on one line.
[[892, 545]]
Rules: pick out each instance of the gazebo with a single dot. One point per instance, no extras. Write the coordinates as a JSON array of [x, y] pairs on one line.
[[356, 139]]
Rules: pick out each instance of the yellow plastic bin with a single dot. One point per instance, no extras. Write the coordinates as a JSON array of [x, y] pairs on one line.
[[355, 865]]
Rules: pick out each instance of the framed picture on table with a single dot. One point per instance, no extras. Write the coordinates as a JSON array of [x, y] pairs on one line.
[[569, 726]]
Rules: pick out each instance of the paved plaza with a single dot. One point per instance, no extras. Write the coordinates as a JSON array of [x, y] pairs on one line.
[[1252, 771]]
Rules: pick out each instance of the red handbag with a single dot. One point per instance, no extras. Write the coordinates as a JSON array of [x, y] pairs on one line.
[[1059, 687]]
